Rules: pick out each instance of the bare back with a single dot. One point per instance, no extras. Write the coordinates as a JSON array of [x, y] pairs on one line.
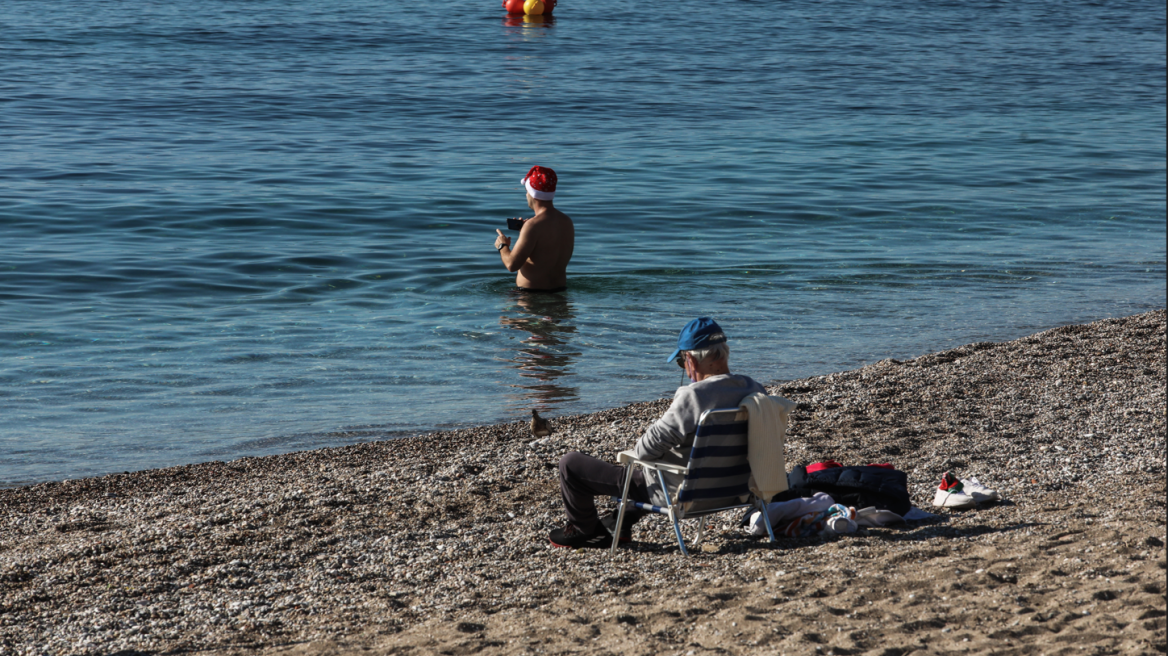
[[547, 240]]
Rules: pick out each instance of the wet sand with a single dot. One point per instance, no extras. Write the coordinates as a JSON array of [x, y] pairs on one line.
[[437, 544]]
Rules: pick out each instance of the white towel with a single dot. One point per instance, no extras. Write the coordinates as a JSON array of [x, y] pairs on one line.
[[781, 512], [915, 514], [766, 441], [839, 525]]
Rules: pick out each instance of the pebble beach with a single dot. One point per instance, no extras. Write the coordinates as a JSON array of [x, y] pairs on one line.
[[437, 544]]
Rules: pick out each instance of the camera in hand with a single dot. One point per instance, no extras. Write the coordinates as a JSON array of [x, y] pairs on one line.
[[514, 224]]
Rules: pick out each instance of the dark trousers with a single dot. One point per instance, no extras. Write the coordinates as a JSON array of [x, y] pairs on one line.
[[582, 478]]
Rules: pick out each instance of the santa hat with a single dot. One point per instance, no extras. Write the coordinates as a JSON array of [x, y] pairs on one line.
[[540, 182]]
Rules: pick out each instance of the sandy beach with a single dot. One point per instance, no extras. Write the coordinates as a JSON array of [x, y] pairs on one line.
[[437, 544]]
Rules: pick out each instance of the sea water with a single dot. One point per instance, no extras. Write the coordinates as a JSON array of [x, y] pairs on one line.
[[238, 228]]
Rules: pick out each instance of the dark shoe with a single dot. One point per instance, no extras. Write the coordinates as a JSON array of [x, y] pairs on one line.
[[609, 524], [574, 538]]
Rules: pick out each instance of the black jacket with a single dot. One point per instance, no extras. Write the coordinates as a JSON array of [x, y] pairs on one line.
[[859, 487]]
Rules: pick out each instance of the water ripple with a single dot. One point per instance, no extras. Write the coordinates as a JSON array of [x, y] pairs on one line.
[[268, 226]]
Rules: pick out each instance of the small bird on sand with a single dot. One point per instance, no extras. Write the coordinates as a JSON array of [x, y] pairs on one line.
[[539, 425]]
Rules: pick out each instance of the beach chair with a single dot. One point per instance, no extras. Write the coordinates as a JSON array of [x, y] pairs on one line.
[[719, 474]]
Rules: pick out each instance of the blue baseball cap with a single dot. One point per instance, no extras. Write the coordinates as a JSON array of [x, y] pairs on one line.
[[700, 333]]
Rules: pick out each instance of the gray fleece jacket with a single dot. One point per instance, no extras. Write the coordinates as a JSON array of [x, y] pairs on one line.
[[670, 438]]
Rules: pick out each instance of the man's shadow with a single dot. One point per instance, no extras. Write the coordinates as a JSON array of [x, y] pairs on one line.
[[545, 354]]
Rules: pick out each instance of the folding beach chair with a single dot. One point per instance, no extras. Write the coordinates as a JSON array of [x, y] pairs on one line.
[[718, 476]]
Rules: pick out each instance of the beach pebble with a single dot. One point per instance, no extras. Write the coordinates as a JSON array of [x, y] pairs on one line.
[[398, 541]]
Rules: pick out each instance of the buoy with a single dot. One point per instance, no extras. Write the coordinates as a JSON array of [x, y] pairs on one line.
[[530, 7]]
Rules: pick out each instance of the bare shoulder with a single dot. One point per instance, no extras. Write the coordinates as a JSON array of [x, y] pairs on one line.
[[549, 220]]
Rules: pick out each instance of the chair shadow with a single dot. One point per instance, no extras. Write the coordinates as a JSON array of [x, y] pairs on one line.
[[739, 542]]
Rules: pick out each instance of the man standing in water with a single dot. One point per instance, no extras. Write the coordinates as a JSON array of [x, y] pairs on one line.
[[546, 240]]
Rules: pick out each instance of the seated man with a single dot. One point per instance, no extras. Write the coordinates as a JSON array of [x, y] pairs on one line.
[[704, 354]]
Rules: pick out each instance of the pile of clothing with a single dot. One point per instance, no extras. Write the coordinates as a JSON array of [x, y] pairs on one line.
[[822, 499]]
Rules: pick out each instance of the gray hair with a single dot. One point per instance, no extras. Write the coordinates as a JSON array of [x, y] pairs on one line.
[[716, 352]]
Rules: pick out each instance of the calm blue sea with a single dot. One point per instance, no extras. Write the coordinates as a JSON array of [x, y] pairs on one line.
[[243, 227]]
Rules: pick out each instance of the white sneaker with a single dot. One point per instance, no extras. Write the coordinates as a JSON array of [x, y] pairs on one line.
[[979, 492], [950, 494]]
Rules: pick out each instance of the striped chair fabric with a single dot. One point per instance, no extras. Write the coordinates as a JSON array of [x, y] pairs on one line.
[[719, 472], [717, 477]]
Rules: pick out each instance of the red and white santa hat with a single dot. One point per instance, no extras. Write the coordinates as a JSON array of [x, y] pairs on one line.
[[540, 182]]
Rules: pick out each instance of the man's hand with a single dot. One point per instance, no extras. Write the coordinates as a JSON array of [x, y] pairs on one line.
[[502, 240]]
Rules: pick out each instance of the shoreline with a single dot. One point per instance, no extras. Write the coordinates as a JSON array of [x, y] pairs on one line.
[[437, 543], [341, 435]]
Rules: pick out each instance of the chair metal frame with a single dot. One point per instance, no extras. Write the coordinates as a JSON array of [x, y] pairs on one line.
[[674, 509]]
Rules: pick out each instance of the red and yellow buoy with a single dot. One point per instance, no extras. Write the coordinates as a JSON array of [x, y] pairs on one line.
[[530, 7]]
